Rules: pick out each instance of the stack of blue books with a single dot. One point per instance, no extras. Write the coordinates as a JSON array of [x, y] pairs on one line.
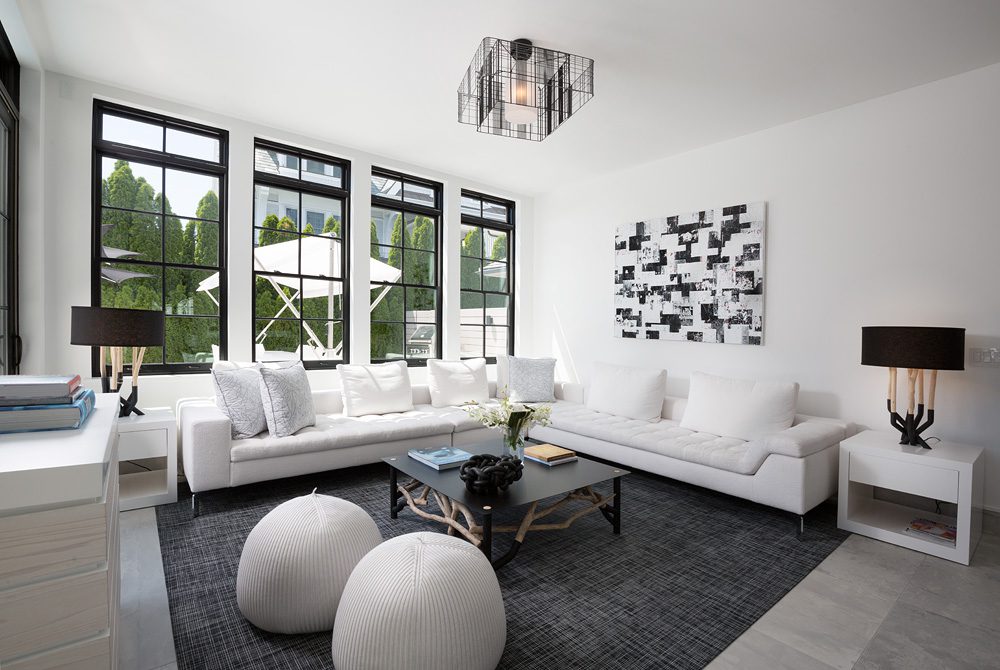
[[440, 458], [29, 403]]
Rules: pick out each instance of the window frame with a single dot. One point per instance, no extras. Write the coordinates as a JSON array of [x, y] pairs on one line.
[[305, 187], [508, 227], [437, 213], [165, 160]]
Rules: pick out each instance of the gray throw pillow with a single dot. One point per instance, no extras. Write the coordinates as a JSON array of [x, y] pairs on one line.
[[531, 379], [287, 399], [237, 394]]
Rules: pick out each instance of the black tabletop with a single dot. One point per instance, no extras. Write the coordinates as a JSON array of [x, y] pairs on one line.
[[537, 481]]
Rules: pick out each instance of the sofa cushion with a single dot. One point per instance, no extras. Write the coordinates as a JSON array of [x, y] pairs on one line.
[[741, 408], [376, 389], [457, 382], [456, 416], [634, 393], [287, 399], [337, 431], [665, 437], [237, 394], [526, 379]]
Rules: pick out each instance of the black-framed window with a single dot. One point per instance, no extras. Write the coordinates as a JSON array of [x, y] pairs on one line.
[[487, 279], [300, 256], [10, 76], [159, 216], [406, 268]]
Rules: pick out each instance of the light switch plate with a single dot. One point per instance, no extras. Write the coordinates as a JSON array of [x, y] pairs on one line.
[[985, 357]]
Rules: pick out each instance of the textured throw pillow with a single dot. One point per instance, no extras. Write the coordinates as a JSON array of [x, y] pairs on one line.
[[457, 382], [376, 389], [635, 393], [287, 399], [741, 408], [237, 394], [531, 379]]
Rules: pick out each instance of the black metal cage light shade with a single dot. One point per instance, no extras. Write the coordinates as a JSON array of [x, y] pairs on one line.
[[516, 89], [111, 329], [917, 348]]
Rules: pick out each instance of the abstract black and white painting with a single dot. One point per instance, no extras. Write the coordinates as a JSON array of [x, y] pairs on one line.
[[696, 277]]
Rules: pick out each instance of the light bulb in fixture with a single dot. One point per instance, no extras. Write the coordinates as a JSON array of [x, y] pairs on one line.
[[520, 109]]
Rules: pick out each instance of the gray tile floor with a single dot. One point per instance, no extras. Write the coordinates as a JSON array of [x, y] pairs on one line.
[[869, 605]]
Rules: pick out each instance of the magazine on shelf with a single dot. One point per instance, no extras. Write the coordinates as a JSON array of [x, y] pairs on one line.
[[47, 417], [941, 533], [550, 464], [440, 458], [34, 387]]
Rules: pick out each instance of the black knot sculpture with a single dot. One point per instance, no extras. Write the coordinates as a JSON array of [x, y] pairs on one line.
[[487, 473]]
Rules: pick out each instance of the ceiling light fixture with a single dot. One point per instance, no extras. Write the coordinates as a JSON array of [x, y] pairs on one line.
[[515, 89]]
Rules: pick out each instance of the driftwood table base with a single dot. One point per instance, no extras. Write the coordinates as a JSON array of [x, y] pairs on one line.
[[460, 520]]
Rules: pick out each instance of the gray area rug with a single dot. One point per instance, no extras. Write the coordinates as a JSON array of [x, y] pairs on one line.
[[691, 571]]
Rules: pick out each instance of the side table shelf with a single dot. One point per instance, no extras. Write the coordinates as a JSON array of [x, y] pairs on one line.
[[153, 435], [947, 473]]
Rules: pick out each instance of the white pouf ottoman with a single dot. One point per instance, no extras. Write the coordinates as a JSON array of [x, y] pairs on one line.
[[297, 559], [423, 601]]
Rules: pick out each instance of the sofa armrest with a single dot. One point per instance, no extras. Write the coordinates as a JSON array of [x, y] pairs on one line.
[[570, 391], [206, 439], [804, 439]]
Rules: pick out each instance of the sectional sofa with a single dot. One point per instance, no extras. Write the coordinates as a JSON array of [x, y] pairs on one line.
[[791, 466]]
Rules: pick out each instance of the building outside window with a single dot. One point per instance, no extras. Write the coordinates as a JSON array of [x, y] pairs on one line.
[[405, 268], [487, 292], [159, 229], [300, 264]]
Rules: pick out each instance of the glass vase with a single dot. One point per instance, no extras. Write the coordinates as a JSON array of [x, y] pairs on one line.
[[513, 442]]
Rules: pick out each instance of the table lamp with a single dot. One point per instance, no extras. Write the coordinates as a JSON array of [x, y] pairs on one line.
[[111, 329], [917, 348]]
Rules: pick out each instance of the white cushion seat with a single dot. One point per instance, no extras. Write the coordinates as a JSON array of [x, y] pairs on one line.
[[337, 431], [297, 560], [423, 601], [456, 416]]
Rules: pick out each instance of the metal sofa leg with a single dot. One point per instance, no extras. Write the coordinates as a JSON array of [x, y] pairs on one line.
[[802, 525], [195, 506]]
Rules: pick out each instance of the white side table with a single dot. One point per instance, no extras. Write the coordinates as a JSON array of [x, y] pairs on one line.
[[153, 435], [947, 472]]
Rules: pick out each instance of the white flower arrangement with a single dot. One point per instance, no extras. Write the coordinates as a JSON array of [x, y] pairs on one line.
[[513, 418]]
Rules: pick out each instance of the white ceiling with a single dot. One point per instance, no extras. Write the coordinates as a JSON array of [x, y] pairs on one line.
[[670, 75]]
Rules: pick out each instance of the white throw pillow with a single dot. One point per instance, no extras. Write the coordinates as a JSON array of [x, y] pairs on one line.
[[380, 388], [741, 408], [287, 399], [457, 382], [237, 394], [635, 393], [531, 379]]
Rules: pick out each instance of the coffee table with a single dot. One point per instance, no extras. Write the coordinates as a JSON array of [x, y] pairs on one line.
[[470, 515]]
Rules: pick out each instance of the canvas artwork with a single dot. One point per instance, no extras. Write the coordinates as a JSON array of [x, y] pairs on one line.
[[696, 277]]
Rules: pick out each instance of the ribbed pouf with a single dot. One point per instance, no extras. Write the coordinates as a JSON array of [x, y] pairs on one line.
[[424, 601], [297, 559]]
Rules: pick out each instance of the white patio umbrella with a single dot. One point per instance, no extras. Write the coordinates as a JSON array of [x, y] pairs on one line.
[[320, 256]]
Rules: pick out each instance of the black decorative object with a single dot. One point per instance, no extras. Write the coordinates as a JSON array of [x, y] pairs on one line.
[[106, 328], [917, 348], [516, 89], [486, 473]]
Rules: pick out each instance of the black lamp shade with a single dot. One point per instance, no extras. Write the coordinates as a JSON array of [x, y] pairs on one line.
[[914, 347], [108, 327]]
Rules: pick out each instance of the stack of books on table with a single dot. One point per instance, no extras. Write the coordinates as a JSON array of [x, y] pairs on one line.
[[936, 531], [440, 458], [30, 403], [549, 454]]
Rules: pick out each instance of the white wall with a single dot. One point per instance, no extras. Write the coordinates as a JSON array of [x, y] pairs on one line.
[[55, 249], [882, 213]]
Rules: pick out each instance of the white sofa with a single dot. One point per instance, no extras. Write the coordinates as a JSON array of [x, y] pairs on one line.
[[213, 460], [792, 470]]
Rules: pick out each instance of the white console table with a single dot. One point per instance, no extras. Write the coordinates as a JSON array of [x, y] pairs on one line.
[[152, 435], [948, 472], [59, 579]]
